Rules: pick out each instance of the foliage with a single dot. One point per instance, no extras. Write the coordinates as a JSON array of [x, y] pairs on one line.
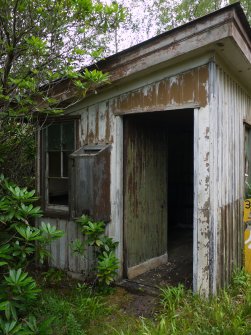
[[104, 249], [107, 267], [17, 151], [19, 242], [172, 296], [75, 309], [18, 290], [185, 313], [43, 43], [146, 19], [247, 190], [53, 277], [92, 230], [181, 313], [171, 14]]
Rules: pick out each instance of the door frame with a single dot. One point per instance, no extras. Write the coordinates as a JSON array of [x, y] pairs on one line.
[[160, 260]]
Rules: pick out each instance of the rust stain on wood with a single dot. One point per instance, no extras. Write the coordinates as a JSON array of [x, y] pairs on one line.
[[184, 88], [175, 90], [145, 212], [229, 242], [203, 81], [163, 92], [188, 86], [91, 137]]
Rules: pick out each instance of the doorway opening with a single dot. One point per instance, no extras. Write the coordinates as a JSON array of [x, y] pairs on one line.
[[180, 186], [158, 197]]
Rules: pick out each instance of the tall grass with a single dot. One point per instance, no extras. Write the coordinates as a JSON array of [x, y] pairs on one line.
[[186, 314], [80, 312], [73, 310]]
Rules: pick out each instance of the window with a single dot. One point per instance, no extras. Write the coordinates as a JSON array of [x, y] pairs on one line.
[[59, 141], [74, 181]]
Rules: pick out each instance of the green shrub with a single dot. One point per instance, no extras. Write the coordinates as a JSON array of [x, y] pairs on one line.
[[107, 264], [20, 243]]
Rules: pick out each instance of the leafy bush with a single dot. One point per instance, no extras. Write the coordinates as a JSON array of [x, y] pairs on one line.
[[107, 267], [104, 249], [20, 243], [17, 150]]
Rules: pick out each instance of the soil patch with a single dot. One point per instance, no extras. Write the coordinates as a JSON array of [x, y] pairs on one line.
[[135, 304], [145, 289]]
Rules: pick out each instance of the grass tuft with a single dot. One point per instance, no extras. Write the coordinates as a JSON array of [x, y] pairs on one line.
[[81, 312]]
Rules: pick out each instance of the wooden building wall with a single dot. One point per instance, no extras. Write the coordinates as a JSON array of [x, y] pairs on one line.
[[61, 253], [102, 123], [230, 105], [220, 105]]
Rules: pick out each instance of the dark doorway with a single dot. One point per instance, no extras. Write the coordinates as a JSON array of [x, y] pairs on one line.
[[158, 196], [180, 195]]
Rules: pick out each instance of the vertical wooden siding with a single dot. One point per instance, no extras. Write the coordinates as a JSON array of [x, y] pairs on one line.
[[184, 89], [229, 106], [96, 127], [61, 253], [145, 188], [99, 124]]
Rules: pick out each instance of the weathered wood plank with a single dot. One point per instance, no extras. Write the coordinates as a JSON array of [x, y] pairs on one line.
[[145, 211]]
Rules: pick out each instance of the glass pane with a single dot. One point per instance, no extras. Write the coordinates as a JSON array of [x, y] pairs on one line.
[[54, 164], [54, 137], [58, 191], [65, 163], [68, 136]]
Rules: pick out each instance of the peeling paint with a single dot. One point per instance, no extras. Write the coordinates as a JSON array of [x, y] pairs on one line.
[[185, 88], [145, 190]]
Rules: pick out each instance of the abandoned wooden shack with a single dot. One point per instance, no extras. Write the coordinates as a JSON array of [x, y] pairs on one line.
[[161, 151]]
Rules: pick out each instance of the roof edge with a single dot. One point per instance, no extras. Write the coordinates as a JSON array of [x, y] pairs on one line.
[[236, 6]]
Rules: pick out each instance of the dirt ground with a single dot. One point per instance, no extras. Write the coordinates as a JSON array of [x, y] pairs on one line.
[[144, 290]]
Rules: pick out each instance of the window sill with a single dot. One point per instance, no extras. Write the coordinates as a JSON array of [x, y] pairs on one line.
[[60, 212]]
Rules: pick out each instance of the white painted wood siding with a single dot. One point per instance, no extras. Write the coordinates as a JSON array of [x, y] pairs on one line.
[[230, 104]]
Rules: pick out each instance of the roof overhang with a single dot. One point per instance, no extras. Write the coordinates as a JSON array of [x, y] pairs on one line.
[[225, 32]]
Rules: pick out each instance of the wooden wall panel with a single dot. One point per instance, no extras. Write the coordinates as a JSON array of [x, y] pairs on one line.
[[230, 105], [62, 256], [97, 124], [183, 89], [145, 187]]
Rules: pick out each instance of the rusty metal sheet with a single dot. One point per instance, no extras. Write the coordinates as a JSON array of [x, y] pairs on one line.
[[182, 89], [145, 187]]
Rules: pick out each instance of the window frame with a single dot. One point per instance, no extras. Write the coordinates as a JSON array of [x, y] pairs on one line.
[[53, 210]]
